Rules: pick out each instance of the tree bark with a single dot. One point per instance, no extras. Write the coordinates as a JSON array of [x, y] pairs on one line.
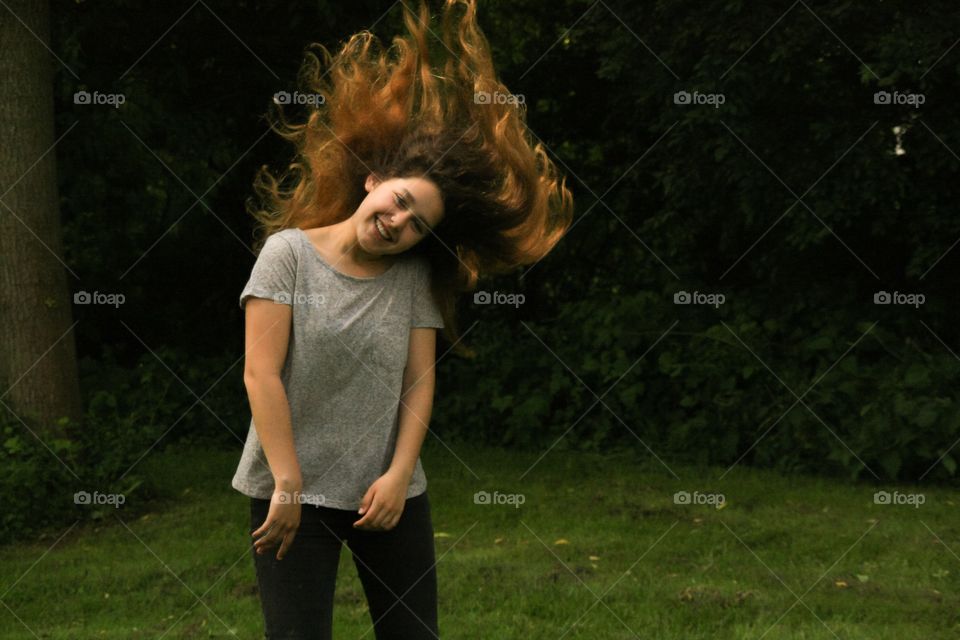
[[38, 368]]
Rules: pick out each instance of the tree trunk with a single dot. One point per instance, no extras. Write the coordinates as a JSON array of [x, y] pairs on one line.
[[38, 368]]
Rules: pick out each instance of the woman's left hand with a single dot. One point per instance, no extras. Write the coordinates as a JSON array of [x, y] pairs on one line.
[[383, 502]]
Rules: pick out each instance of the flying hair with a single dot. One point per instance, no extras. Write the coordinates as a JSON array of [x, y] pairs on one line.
[[395, 114]]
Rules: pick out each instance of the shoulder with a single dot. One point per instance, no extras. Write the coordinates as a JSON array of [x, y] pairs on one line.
[[283, 241], [418, 266], [288, 236]]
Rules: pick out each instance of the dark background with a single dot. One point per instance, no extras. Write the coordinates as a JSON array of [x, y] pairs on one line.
[[670, 197]]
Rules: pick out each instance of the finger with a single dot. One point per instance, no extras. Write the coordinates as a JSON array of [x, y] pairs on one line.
[[274, 536], [267, 546], [263, 532], [382, 519], [367, 518], [268, 540], [366, 502], [376, 515], [287, 541]]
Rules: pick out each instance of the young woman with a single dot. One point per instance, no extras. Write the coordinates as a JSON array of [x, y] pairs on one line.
[[408, 185]]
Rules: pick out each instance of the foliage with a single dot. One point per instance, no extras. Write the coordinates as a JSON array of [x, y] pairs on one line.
[[798, 199]]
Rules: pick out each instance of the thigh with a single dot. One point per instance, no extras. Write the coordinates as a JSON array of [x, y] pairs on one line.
[[296, 593], [396, 568]]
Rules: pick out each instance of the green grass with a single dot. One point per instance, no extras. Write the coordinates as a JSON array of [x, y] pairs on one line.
[[660, 569]]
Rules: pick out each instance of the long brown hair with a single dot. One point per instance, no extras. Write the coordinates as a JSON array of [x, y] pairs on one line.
[[392, 115]]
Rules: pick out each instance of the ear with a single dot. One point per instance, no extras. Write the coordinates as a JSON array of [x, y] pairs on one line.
[[371, 182]]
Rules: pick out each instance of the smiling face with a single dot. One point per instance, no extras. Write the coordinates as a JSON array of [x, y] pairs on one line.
[[405, 209]]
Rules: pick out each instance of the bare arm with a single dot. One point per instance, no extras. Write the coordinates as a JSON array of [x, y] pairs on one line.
[[419, 381], [267, 338]]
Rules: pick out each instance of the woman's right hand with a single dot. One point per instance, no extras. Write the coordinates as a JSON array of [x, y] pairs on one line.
[[281, 524]]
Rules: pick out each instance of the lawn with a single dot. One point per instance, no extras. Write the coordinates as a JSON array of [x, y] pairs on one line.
[[599, 548]]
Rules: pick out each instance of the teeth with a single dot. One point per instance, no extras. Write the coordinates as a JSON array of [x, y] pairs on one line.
[[382, 231]]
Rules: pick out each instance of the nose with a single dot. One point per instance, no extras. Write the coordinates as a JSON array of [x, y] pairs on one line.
[[398, 219]]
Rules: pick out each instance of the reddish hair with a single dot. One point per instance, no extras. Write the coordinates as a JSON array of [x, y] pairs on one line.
[[392, 115]]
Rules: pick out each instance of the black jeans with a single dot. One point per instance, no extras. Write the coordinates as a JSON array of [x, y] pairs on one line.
[[396, 569]]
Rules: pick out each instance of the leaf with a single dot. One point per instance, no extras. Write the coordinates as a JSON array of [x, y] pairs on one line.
[[820, 343], [890, 460], [949, 463], [12, 444], [917, 375], [927, 416]]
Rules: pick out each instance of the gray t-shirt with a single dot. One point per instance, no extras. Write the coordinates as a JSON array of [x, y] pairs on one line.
[[344, 368]]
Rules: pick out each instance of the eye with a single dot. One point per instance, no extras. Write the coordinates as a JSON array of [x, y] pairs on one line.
[[403, 204]]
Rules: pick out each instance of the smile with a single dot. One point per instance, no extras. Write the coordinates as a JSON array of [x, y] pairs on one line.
[[381, 230]]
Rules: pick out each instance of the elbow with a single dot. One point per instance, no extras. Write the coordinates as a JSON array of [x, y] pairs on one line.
[[255, 378]]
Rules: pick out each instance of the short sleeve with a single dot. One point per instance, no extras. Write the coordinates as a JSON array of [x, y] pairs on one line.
[[274, 274], [425, 313]]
